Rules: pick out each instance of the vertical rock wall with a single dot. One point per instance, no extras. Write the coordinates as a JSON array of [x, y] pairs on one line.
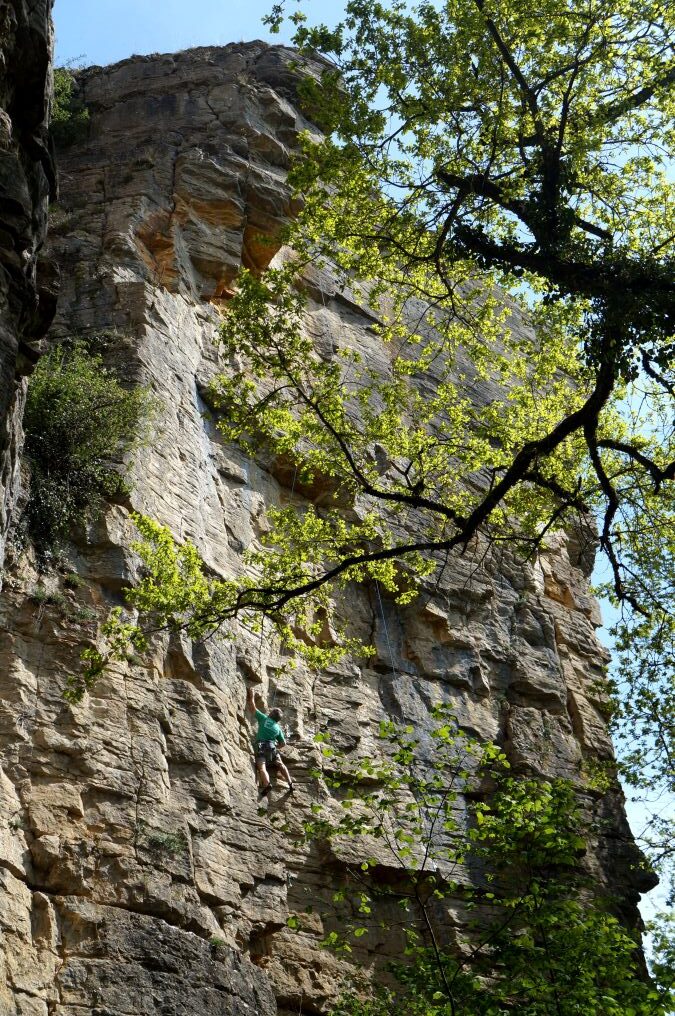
[[138, 874], [26, 181]]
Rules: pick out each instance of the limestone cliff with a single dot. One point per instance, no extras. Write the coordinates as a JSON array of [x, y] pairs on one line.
[[138, 875]]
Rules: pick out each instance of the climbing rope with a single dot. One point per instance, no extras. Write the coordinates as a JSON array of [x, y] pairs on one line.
[[386, 630], [428, 824]]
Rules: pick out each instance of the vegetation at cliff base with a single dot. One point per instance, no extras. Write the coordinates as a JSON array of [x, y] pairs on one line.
[[80, 422], [536, 936]]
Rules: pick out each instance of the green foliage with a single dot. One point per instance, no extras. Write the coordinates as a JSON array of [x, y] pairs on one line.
[[84, 614], [167, 843], [393, 443], [70, 117], [176, 594], [533, 948], [80, 422], [476, 144], [64, 605], [46, 597], [643, 670], [74, 581], [172, 844], [218, 945], [59, 219], [661, 932]]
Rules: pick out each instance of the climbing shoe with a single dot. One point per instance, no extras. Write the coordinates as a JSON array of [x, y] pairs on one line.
[[264, 791]]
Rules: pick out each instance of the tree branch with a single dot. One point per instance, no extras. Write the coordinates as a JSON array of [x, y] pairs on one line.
[[658, 475], [508, 58], [611, 111], [270, 600]]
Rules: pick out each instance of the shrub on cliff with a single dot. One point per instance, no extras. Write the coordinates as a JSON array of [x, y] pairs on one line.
[[70, 117], [80, 423]]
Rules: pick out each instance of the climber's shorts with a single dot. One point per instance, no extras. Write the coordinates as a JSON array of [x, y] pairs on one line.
[[266, 751]]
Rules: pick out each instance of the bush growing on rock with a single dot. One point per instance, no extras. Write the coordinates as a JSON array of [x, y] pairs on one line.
[[70, 116], [80, 423]]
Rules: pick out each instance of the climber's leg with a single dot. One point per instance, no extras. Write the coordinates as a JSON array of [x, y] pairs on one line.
[[263, 776], [284, 772]]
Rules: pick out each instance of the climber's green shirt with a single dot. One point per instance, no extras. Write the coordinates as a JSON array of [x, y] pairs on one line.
[[268, 730]]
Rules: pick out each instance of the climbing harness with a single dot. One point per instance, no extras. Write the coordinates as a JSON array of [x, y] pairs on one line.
[[267, 750]]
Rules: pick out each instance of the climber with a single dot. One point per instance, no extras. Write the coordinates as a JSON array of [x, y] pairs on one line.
[[268, 737]]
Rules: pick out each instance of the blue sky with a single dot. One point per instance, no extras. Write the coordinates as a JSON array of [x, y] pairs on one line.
[[111, 30]]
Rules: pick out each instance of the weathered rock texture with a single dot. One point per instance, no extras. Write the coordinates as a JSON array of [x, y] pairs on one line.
[[26, 182], [139, 875]]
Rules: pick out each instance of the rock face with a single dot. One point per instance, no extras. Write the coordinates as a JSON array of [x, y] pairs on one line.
[[139, 874], [27, 178]]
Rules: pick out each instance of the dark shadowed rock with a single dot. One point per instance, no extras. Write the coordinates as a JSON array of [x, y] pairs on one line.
[[27, 179]]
